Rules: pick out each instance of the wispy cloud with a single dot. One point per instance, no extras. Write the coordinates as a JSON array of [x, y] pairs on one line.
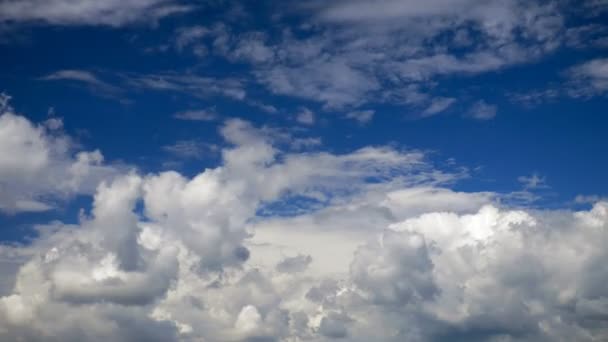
[[481, 110], [589, 78], [190, 149], [305, 116], [194, 85], [437, 105], [361, 116], [113, 13], [91, 80], [208, 114]]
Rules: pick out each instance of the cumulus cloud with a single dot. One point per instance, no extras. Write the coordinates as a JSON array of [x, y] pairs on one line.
[[379, 250], [39, 164]]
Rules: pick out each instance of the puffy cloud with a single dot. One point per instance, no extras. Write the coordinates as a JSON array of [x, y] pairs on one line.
[[332, 82], [395, 271], [380, 250], [38, 165]]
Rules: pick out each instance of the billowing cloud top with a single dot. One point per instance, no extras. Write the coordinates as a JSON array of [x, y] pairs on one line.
[[385, 252]]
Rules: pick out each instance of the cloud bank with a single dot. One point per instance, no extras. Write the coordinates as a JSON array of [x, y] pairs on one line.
[[370, 245]]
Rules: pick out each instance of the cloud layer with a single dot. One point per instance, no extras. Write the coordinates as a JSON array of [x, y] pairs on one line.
[[282, 246]]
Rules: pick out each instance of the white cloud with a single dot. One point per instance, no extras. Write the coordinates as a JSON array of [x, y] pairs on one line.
[[305, 116], [302, 143], [38, 165], [113, 13], [189, 149], [334, 83], [198, 86], [382, 250], [437, 106], [534, 181], [94, 83], [481, 110], [190, 36], [351, 53], [585, 80], [361, 116], [589, 78], [209, 114]]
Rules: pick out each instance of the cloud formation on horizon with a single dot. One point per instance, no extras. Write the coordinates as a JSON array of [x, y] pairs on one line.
[[274, 245]]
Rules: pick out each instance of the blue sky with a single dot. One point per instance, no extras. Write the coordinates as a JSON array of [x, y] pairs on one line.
[[301, 110]]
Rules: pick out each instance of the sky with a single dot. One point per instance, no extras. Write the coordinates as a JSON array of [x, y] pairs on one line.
[[350, 170]]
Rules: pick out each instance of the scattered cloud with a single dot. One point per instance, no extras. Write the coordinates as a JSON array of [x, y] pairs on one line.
[[361, 116], [303, 143], [481, 110], [533, 182], [380, 250], [190, 84], [534, 97], [305, 116], [194, 85], [352, 53], [282, 241], [438, 105], [589, 79], [114, 13], [95, 84], [189, 149], [209, 114]]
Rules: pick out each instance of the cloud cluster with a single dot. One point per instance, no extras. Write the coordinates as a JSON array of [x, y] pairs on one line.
[[379, 249], [344, 54], [589, 78], [39, 164], [349, 54]]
